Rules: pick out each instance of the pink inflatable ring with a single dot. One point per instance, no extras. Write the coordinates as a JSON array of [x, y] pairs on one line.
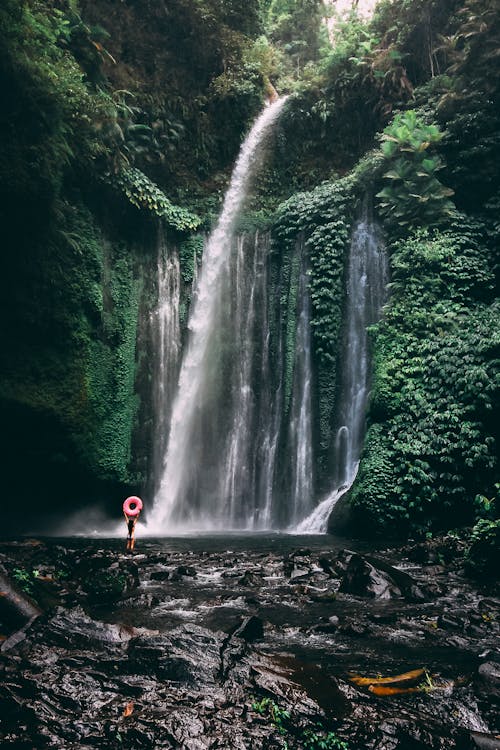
[[132, 506]]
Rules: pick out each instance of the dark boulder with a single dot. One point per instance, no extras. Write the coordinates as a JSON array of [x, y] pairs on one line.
[[251, 629], [372, 577], [485, 741], [361, 578], [489, 677]]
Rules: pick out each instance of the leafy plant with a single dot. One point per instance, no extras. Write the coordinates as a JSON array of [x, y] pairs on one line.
[[483, 556], [413, 195], [278, 716], [144, 194], [320, 740], [26, 579], [316, 738]]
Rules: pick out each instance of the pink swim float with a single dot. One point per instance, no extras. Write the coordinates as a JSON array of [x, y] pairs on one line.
[[132, 506]]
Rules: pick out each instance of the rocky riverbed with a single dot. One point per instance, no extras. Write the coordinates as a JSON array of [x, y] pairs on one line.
[[237, 643]]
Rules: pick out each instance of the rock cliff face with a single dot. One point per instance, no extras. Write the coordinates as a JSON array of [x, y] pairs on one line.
[[87, 91], [69, 339]]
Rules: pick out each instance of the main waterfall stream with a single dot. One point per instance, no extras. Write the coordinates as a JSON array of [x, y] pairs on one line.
[[203, 476]]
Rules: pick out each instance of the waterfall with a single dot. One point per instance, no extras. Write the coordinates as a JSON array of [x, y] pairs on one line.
[[193, 488], [301, 451], [167, 336], [367, 276]]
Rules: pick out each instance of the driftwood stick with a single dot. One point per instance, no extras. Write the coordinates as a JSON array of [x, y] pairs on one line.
[[17, 611]]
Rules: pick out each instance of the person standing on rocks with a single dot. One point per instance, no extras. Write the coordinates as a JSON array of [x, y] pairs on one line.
[[132, 507]]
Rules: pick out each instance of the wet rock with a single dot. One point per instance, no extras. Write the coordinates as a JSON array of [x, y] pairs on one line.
[[188, 654], [251, 629], [371, 577], [280, 678], [489, 676], [298, 573], [103, 579], [325, 627], [69, 682], [383, 618], [142, 601], [484, 741], [162, 574], [449, 622], [75, 629], [250, 578], [182, 571], [354, 627], [105, 586], [297, 564], [363, 579], [320, 596]]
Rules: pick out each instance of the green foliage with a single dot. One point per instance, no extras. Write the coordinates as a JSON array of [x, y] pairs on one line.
[[278, 716], [413, 195], [50, 115], [431, 445], [316, 738], [297, 28], [25, 579], [70, 333], [110, 371], [190, 254], [320, 740], [483, 556], [488, 507], [144, 194]]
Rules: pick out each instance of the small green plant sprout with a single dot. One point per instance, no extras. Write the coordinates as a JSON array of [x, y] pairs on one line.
[[319, 739], [427, 684], [277, 715], [485, 506], [25, 578]]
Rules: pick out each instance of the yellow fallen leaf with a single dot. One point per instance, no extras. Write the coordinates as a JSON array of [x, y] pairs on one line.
[[386, 690], [128, 710], [404, 677]]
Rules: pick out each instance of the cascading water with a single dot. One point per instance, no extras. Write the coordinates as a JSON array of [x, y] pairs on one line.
[[301, 449], [194, 490], [367, 277], [167, 345], [366, 292]]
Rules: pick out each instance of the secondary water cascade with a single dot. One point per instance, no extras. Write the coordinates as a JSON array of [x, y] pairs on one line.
[[167, 345], [301, 445], [199, 485], [367, 276]]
